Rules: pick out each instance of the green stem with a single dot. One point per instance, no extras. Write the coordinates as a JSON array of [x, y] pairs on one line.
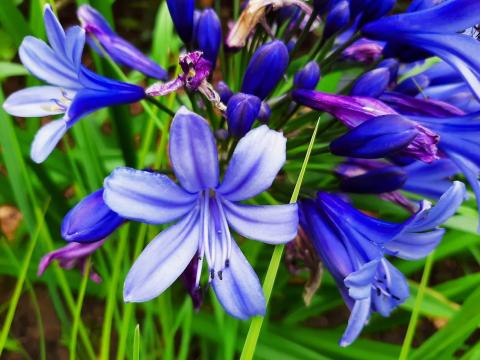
[[257, 322], [407, 342], [160, 105]]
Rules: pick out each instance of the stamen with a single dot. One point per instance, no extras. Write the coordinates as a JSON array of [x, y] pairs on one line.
[[226, 231], [205, 228]]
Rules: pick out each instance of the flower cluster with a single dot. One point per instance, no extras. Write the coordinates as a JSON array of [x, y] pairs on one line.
[[402, 129]]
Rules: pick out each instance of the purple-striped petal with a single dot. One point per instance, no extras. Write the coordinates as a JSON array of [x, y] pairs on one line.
[[272, 224], [145, 196], [257, 159], [163, 260], [193, 152], [239, 289]]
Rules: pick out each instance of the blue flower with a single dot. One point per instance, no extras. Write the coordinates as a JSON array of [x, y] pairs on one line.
[[242, 110], [204, 209], [117, 47], [354, 246], [209, 35], [308, 76], [182, 13], [435, 30], [75, 91]]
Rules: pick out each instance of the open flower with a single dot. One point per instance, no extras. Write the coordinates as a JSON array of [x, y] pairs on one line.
[[353, 247], [204, 210], [75, 91]]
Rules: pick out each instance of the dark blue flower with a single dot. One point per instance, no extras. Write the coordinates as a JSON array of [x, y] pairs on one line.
[[337, 19], [308, 76], [204, 210], [242, 110], [369, 10], [75, 91], [266, 68], [353, 247], [373, 83], [209, 35], [181, 12], [117, 47], [224, 91]]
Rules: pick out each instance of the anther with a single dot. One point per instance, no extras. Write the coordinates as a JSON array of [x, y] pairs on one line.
[[212, 274], [227, 263], [220, 275]]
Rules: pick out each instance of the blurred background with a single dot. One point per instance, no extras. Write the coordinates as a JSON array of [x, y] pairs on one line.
[[62, 314]]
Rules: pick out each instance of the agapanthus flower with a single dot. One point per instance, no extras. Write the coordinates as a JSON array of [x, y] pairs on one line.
[[75, 91], [182, 13], [204, 209], [357, 111], [436, 31], [364, 51], [354, 247], [119, 49], [196, 70], [209, 35]]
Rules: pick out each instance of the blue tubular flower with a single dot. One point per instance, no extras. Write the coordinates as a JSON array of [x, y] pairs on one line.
[[224, 91], [353, 247], [75, 90], [182, 12], [434, 30], [204, 210], [266, 68], [307, 77], [337, 19], [242, 110], [376, 138], [90, 220], [209, 35], [117, 47], [372, 84]]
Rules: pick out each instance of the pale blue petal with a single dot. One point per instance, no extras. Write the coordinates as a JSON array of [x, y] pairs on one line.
[[414, 246], [74, 46], [46, 139], [37, 101], [163, 260], [356, 322], [255, 163], [193, 152], [55, 33], [273, 224], [359, 283], [145, 196], [239, 290]]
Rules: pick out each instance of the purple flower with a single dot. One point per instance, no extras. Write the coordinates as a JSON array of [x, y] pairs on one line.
[[182, 13], [75, 91], [117, 47], [337, 18], [196, 70], [70, 256], [373, 83], [355, 111], [204, 209], [242, 110], [364, 51], [209, 35], [307, 77], [354, 246]]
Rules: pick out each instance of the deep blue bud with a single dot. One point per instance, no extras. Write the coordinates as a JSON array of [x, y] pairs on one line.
[[308, 77], [370, 9], [291, 45], [181, 12], [90, 220], [242, 110], [266, 68], [209, 35], [337, 19], [376, 138], [264, 113], [376, 181], [224, 91], [372, 84]]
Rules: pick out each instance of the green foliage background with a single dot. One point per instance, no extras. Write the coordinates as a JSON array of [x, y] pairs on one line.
[[439, 321]]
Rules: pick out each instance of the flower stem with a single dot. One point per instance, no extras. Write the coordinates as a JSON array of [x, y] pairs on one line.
[[256, 325]]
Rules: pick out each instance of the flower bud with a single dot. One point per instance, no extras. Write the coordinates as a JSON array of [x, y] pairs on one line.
[[120, 50], [209, 35], [337, 19], [372, 84], [370, 9], [308, 77], [376, 138], [242, 110], [265, 113], [90, 220], [224, 91], [181, 12], [375, 181], [266, 68]]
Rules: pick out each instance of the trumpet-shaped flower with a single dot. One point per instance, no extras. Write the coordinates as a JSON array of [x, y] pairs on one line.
[[74, 90], [354, 246], [204, 210]]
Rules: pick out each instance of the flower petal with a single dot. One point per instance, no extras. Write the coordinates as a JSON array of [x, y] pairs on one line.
[[74, 46], [273, 224], [163, 260], [37, 101], [356, 322], [193, 152], [46, 139], [415, 246], [239, 290], [147, 197], [55, 33], [257, 159], [359, 283]]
